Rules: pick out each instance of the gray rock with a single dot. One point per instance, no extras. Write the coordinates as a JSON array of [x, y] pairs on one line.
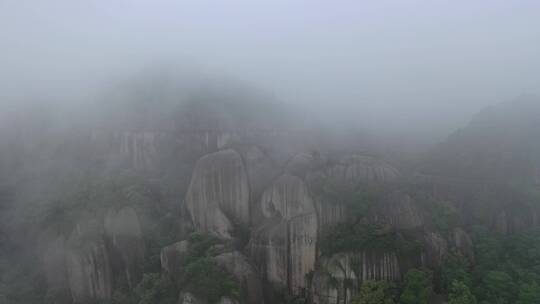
[[399, 211], [218, 194], [139, 148], [123, 230], [260, 169], [283, 246], [355, 168], [338, 277], [249, 281], [172, 257], [463, 244], [436, 249], [330, 214], [227, 300], [88, 266], [189, 298]]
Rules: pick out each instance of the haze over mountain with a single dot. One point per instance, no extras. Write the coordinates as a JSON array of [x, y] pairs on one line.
[[407, 67], [283, 152]]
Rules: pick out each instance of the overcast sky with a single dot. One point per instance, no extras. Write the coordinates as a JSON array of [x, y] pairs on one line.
[[406, 65]]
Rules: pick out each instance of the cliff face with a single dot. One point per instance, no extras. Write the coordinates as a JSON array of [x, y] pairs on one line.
[[99, 254], [88, 266], [356, 168], [338, 278], [124, 232], [218, 195], [287, 239], [399, 211]]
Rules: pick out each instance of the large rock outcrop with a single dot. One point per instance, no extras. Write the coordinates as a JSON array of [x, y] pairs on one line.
[[463, 244], [355, 168], [284, 245], [435, 250], [88, 266], [330, 214], [189, 298], [218, 195], [399, 211], [337, 278], [260, 169], [123, 231], [140, 149]]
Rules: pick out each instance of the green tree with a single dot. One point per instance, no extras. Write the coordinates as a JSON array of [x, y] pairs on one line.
[[455, 268], [529, 294], [373, 292], [499, 287], [444, 217], [460, 294], [418, 287], [204, 278], [156, 289]]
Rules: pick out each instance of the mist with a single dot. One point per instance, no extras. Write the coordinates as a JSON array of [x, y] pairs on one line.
[[278, 152], [407, 67]]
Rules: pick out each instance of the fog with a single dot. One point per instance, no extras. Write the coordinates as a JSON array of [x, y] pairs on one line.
[[278, 152], [419, 68]]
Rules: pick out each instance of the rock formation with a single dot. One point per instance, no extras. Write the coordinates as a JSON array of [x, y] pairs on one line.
[[284, 245], [218, 195], [171, 257], [463, 244], [124, 232], [399, 211], [260, 169], [189, 298], [356, 168], [246, 276], [337, 278], [436, 249], [88, 266]]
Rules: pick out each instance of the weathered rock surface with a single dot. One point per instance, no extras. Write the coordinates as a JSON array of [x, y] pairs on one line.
[[260, 170], [399, 211], [140, 148], [463, 244], [227, 300], [218, 195], [435, 250], [355, 168], [88, 266], [172, 256], [338, 278], [515, 219], [124, 232], [270, 253], [330, 214], [284, 245], [54, 268], [250, 284], [189, 298]]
